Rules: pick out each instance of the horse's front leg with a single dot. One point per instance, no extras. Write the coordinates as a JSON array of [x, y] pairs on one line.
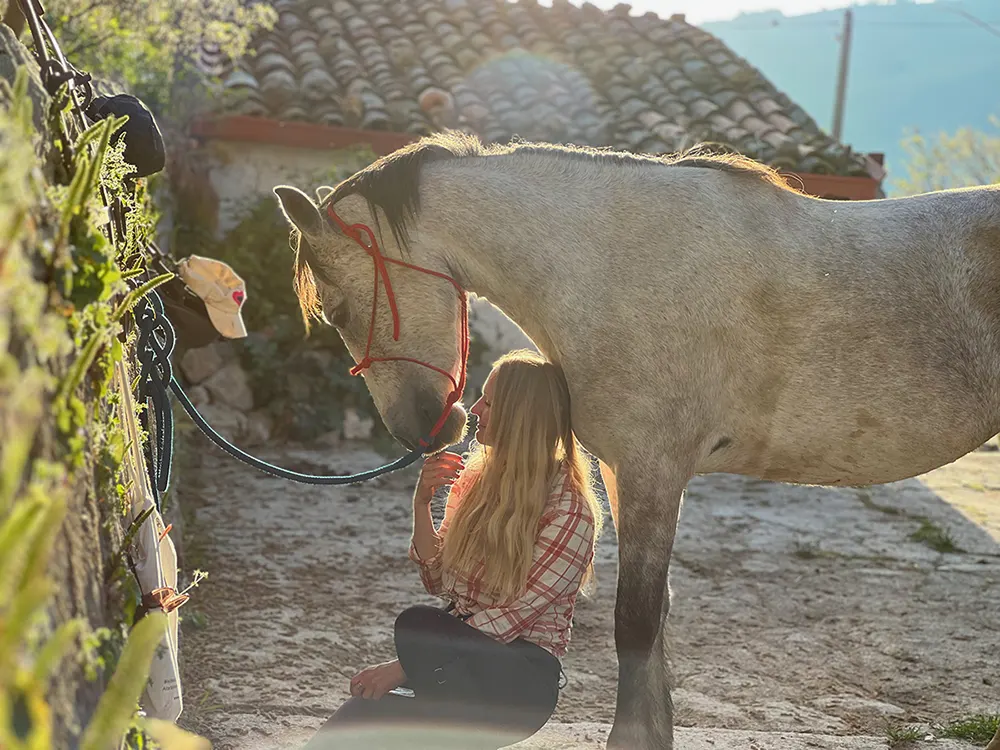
[[648, 508]]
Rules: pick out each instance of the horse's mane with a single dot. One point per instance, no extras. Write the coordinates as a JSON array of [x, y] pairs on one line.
[[392, 182]]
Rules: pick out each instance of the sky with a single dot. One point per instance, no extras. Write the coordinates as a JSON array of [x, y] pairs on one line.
[[701, 11]]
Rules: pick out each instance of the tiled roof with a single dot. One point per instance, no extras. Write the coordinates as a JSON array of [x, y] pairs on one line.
[[499, 69]]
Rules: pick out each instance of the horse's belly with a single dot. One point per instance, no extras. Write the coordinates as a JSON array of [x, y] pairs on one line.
[[869, 451], [859, 465], [858, 412]]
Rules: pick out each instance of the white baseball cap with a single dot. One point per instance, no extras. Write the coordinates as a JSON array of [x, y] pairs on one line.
[[220, 288]]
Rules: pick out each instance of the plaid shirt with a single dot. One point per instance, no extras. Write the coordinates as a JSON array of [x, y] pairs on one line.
[[543, 614]]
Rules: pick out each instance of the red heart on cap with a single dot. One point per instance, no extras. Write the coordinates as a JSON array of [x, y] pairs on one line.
[[238, 296]]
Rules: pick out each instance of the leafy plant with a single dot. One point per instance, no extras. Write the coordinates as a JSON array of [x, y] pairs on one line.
[[935, 537], [900, 736], [62, 296], [964, 158], [150, 47], [117, 705], [977, 728]]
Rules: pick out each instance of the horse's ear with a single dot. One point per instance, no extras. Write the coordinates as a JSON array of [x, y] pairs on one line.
[[299, 209], [323, 192]]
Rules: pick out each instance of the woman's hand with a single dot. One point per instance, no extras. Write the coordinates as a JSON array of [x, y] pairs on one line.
[[438, 471], [374, 682]]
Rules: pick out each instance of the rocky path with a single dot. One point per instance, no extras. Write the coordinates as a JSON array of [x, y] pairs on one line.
[[833, 616]]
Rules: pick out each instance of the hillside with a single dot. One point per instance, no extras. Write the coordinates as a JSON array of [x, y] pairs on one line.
[[912, 66]]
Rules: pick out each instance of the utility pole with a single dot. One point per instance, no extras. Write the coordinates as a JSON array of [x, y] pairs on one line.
[[845, 56]]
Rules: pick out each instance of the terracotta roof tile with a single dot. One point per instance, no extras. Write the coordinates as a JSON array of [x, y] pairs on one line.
[[565, 73]]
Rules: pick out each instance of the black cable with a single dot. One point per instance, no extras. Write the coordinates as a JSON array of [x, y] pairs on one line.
[[155, 345], [277, 471]]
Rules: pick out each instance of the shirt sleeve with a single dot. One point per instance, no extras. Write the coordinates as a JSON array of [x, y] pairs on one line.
[[563, 551], [430, 567]]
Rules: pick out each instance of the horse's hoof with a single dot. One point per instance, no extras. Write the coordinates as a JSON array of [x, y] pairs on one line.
[[636, 739]]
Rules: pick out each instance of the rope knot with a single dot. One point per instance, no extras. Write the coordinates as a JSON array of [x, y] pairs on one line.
[[364, 364]]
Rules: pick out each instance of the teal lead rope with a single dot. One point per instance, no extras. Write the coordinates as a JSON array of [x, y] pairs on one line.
[[156, 378]]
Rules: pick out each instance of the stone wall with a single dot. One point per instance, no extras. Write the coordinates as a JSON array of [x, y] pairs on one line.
[[242, 173], [220, 389], [58, 440]]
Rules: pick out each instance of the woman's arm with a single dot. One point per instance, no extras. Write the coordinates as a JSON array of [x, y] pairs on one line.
[[425, 544], [426, 541], [425, 547]]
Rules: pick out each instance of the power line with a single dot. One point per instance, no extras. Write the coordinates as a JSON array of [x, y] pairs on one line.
[[990, 26], [978, 21], [933, 24], [835, 24]]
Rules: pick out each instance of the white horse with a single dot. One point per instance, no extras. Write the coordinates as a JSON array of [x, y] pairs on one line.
[[708, 319]]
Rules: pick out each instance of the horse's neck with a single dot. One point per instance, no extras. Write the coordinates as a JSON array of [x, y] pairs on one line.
[[524, 254]]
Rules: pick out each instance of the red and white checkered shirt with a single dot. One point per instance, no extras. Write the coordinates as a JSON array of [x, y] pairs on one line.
[[543, 613]]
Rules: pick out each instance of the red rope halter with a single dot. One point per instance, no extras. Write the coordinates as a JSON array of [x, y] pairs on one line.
[[365, 238]]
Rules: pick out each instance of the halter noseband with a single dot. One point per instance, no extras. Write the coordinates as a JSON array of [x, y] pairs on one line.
[[365, 238]]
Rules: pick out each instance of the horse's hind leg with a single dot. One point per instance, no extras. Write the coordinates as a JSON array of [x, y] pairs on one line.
[[650, 505]]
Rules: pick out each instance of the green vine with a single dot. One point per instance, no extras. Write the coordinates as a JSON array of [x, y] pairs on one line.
[[62, 298]]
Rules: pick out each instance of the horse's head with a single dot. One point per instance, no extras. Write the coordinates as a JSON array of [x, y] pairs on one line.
[[335, 283]]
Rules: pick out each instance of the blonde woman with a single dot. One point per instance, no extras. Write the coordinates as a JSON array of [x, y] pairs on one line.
[[513, 552]]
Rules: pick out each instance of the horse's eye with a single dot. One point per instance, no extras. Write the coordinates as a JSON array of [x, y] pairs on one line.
[[340, 316]]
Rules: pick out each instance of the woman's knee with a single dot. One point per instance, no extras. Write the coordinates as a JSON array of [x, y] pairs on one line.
[[418, 640], [420, 627], [418, 617]]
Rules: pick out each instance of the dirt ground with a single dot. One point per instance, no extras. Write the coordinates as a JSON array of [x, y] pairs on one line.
[[795, 609]]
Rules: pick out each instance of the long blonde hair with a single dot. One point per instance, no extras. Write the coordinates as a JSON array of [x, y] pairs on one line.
[[505, 486]]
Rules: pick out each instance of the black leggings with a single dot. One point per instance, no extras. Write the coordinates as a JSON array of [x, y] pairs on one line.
[[469, 691]]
